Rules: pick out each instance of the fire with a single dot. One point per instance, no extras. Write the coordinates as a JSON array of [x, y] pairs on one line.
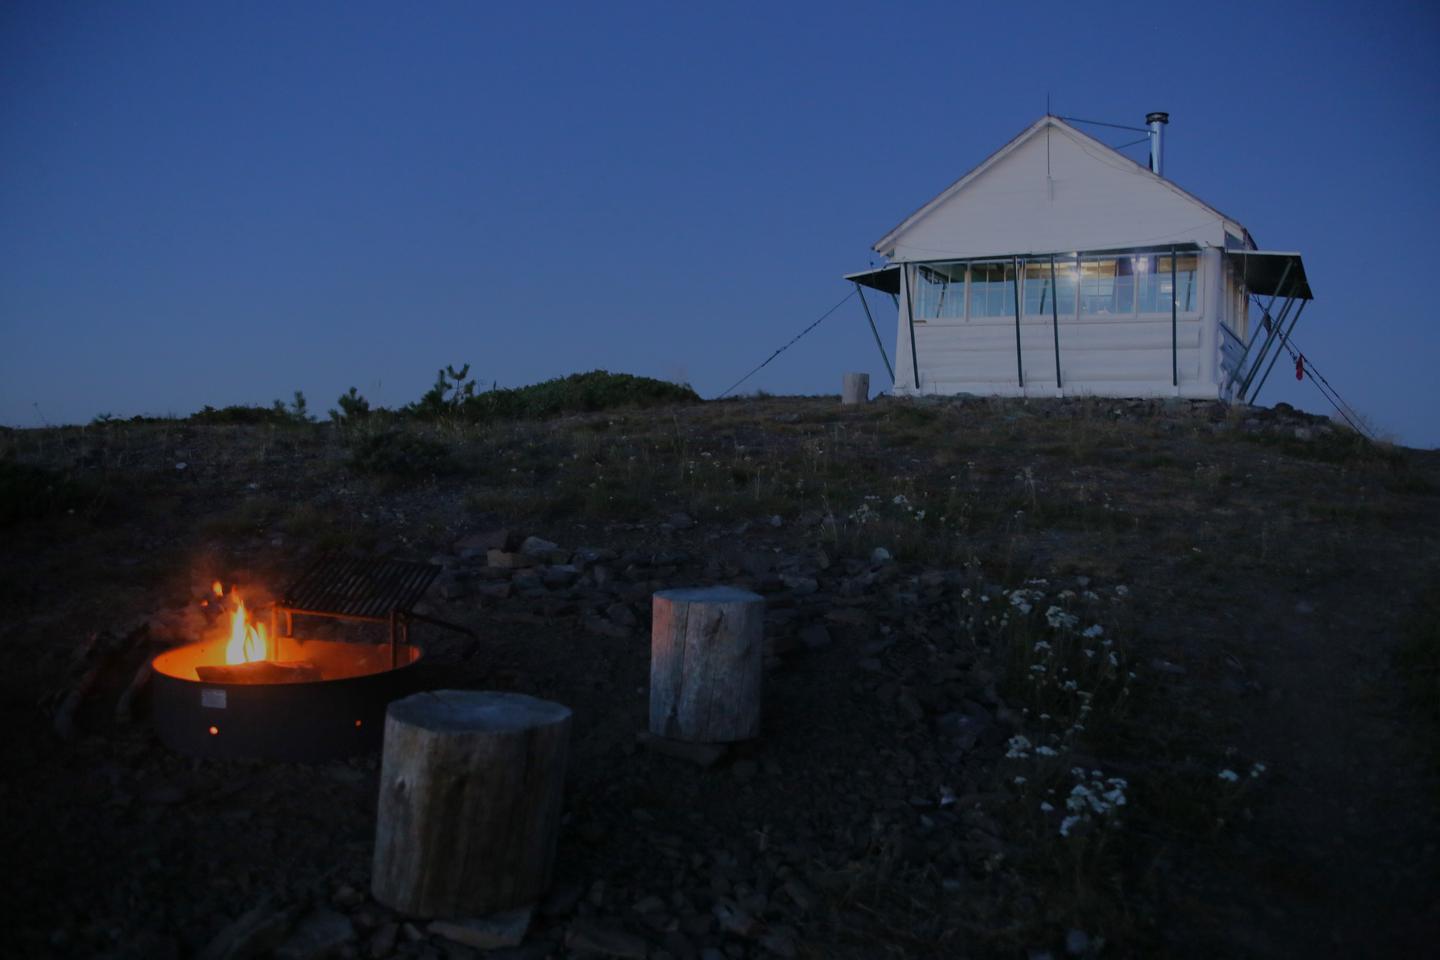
[[249, 641]]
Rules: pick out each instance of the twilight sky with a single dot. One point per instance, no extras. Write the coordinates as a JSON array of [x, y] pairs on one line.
[[223, 203]]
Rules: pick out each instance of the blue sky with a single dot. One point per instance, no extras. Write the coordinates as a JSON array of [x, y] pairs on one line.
[[223, 203]]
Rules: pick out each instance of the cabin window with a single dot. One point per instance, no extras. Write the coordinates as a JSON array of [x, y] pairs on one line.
[[992, 290], [1154, 282], [1107, 287], [940, 291], [1044, 299]]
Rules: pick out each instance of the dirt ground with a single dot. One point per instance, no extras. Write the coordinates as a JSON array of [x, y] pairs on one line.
[[1201, 603]]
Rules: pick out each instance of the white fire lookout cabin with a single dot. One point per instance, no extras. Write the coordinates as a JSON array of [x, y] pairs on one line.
[[1060, 267]]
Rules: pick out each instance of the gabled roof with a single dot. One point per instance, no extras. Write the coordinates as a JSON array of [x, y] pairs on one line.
[[1089, 145]]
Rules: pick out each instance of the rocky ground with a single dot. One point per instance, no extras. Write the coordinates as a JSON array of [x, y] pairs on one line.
[[1085, 678]]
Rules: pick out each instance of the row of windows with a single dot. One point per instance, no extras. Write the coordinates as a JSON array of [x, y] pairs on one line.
[[1111, 286]]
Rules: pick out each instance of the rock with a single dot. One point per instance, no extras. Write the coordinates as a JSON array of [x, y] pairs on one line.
[[481, 542], [621, 615], [1304, 608], [701, 754], [650, 904], [680, 521], [965, 726], [776, 521], [589, 556], [815, 636], [382, 944], [1077, 942], [453, 588], [801, 586], [544, 550], [561, 575], [779, 942], [319, 934], [486, 933], [509, 561], [803, 896], [608, 941], [254, 933], [604, 627], [880, 555], [494, 589], [735, 919], [1165, 666]]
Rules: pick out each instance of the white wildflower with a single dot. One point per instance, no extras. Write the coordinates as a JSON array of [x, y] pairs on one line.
[[1046, 807], [1092, 631], [1257, 769], [1020, 781], [1060, 620], [1067, 824], [1041, 646], [1044, 751], [1019, 747], [1229, 776]]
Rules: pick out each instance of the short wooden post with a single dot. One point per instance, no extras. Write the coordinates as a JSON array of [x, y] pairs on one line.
[[855, 388], [706, 658], [471, 789]]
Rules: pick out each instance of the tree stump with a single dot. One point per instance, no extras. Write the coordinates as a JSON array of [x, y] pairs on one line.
[[855, 388], [706, 655], [471, 788]]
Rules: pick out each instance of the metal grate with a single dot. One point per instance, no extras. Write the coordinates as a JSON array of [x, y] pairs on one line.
[[360, 589]]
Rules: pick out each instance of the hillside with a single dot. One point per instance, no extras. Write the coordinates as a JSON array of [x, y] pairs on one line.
[[1065, 678]]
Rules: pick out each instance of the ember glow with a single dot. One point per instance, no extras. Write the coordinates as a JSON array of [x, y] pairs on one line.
[[249, 641]]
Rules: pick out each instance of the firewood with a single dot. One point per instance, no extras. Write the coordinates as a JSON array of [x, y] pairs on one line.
[[706, 658], [471, 790], [125, 706], [99, 649], [261, 671]]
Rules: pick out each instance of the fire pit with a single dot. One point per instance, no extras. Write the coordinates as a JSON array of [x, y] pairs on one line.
[[256, 693]]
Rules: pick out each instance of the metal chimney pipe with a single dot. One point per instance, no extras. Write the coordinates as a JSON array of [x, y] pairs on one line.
[[1156, 122]]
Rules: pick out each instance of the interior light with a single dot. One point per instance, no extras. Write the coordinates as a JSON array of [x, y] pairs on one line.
[[214, 731]]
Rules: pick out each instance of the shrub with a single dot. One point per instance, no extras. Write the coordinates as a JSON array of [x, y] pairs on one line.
[[577, 393], [353, 408], [395, 453]]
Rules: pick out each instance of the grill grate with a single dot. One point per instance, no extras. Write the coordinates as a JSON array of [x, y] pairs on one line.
[[362, 589], [379, 591]]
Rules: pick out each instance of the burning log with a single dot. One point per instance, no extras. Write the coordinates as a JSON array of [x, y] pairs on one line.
[[471, 789], [706, 657], [261, 671]]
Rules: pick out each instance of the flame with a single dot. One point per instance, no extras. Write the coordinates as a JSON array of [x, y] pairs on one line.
[[248, 641], [219, 588]]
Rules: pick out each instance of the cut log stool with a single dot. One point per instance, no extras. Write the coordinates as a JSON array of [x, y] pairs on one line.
[[706, 657], [855, 388], [471, 788]]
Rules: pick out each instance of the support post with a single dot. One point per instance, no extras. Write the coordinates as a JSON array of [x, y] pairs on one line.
[[1055, 319], [910, 312], [1284, 341], [1265, 311], [1015, 285], [1271, 336], [874, 330], [1174, 317], [471, 791]]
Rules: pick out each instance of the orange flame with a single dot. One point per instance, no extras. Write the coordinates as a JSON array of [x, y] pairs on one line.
[[248, 641]]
